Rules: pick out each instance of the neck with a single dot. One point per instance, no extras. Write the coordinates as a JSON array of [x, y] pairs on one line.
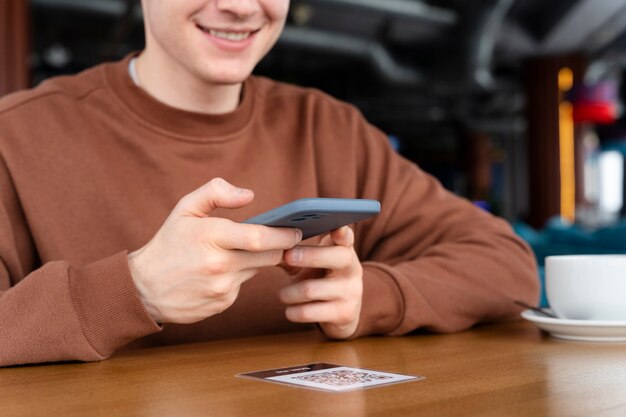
[[177, 88]]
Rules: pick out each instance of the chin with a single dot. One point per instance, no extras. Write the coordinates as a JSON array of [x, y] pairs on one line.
[[226, 77]]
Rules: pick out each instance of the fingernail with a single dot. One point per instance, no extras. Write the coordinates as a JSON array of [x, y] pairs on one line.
[[296, 255], [298, 235]]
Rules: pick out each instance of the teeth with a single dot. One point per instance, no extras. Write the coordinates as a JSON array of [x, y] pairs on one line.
[[231, 36]]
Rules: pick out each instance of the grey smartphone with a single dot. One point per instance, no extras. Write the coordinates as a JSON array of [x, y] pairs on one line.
[[316, 216]]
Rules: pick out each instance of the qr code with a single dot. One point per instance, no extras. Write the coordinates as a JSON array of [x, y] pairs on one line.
[[341, 378]]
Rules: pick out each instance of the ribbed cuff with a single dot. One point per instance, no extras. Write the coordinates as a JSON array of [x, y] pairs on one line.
[[383, 305], [108, 304]]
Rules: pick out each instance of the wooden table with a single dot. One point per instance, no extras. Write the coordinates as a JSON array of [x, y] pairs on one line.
[[496, 370]]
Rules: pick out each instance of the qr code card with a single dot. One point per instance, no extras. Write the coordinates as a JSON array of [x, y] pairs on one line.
[[329, 377]]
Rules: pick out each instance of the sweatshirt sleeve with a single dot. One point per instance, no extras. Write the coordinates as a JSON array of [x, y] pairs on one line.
[[432, 260], [61, 312]]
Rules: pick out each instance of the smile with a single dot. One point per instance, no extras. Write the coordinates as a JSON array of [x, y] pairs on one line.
[[230, 36]]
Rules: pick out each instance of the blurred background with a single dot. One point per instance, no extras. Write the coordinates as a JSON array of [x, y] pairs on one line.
[[514, 104]]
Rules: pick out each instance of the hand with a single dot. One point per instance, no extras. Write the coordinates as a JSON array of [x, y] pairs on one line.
[[334, 299], [195, 264]]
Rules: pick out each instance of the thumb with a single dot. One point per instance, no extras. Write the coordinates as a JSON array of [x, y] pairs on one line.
[[215, 193]]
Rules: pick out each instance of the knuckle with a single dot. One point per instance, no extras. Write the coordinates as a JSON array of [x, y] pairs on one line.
[[308, 315], [184, 201], [232, 296], [214, 183], [346, 256], [356, 294], [301, 314], [353, 293], [216, 267], [220, 289], [228, 299], [345, 315], [254, 239], [212, 230], [308, 290], [208, 188], [212, 187]]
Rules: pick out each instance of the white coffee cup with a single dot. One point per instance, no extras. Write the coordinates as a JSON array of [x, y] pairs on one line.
[[587, 287]]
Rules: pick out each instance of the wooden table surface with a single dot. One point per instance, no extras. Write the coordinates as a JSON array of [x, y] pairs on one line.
[[507, 369]]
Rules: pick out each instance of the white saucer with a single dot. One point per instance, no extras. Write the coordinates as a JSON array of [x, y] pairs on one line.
[[579, 330]]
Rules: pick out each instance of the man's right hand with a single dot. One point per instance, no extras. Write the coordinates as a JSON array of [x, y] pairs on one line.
[[195, 264]]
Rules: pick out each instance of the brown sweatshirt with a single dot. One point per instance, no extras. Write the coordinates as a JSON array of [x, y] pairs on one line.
[[91, 165]]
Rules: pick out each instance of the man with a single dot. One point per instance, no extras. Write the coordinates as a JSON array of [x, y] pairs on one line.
[[124, 188]]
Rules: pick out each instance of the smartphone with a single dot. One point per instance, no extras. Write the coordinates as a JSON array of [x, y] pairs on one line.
[[316, 216]]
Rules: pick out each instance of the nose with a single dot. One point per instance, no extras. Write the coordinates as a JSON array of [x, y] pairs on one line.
[[239, 8]]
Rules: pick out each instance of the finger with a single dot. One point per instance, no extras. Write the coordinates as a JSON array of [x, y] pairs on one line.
[[242, 260], [326, 241], [215, 193], [253, 237], [328, 257], [344, 236], [312, 290], [319, 312], [296, 274], [292, 271], [234, 261]]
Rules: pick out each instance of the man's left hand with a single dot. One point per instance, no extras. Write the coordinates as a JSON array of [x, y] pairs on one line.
[[334, 299]]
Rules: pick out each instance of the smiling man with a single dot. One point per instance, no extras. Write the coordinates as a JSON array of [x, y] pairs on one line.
[[124, 188], [205, 50]]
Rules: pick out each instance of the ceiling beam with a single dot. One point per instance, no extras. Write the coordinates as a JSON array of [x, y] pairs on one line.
[[577, 27], [482, 37], [372, 52], [412, 9], [608, 33]]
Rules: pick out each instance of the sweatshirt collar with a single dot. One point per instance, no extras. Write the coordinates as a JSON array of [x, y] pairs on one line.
[[176, 122]]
